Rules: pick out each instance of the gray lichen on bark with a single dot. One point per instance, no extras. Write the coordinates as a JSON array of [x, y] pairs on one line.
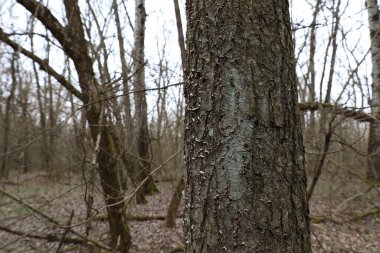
[[245, 180]]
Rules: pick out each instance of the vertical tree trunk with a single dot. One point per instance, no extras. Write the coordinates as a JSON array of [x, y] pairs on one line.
[[312, 127], [107, 156], [171, 215], [325, 123], [245, 178], [73, 42], [129, 162], [141, 114], [161, 110], [177, 194], [45, 152], [24, 93], [52, 112], [42, 114], [124, 73], [373, 170], [4, 169], [181, 40]]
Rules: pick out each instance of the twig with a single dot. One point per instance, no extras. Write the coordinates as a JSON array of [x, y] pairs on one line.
[[336, 109], [372, 212], [318, 241], [65, 233], [54, 222], [47, 237], [176, 250], [140, 217], [344, 202]]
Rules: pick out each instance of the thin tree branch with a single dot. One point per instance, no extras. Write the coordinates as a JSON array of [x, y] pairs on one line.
[[48, 237], [43, 64], [44, 15], [346, 112], [54, 222]]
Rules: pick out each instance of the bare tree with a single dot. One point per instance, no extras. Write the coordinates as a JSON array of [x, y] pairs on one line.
[[326, 128], [130, 163], [373, 170], [25, 118], [142, 139], [4, 170], [72, 39], [177, 194]]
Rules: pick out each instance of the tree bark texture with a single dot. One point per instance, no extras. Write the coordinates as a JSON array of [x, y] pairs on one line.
[[245, 177], [373, 170]]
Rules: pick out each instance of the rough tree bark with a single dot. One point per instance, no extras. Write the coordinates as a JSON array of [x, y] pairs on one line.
[[141, 114], [373, 170], [245, 178]]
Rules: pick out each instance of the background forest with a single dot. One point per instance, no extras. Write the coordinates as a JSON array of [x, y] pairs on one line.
[[91, 119]]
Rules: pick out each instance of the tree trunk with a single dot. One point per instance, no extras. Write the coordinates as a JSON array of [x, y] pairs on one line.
[[141, 114], [107, 156], [124, 73], [326, 127], [312, 126], [129, 163], [41, 98], [181, 40], [24, 92], [53, 112], [71, 38], [42, 114], [177, 194], [171, 214], [245, 178], [4, 169], [373, 170]]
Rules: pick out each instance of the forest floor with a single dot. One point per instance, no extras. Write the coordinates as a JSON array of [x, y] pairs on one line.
[[345, 217]]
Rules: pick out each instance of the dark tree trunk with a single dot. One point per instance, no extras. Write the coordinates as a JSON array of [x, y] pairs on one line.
[[41, 108], [130, 164], [171, 214], [141, 108], [107, 156], [24, 93], [73, 42], [181, 40], [177, 194], [245, 178], [4, 169], [373, 170]]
